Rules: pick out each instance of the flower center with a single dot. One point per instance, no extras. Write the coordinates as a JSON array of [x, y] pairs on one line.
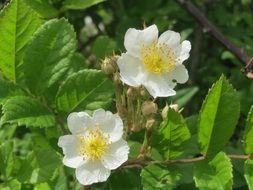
[[158, 59], [94, 144]]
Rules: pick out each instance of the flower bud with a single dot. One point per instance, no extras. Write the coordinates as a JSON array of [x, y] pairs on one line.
[[144, 93], [148, 107], [135, 127], [166, 108], [150, 123], [131, 93], [116, 78], [109, 65]]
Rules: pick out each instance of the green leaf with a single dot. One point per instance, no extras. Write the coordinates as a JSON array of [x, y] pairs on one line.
[[43, 7], [103, 46], [172, 136], [48, 56], [14, 184], [85, 90], [80, 4], [183, 96], [215, 174], [218, 117], [134, 149], [248, 173], [17, 23], [6, 159], [128, 178], [159, 177], [8, 90], [26, 111], [39, 166], [248, 135]]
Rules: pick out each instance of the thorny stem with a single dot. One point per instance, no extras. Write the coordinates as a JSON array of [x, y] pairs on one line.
[[213, 30], [141, 163]]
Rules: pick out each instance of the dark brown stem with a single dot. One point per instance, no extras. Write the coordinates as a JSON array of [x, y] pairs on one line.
[[210, 28], [142, 163], [85, 187]]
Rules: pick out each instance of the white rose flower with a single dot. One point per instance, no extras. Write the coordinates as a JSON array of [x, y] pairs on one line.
[[95, 146], [155, 63]]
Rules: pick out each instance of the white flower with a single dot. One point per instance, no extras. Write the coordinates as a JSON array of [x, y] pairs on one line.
[[155, 63], [95, 146]]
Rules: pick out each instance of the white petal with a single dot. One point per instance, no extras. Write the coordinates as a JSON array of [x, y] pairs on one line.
[[134, 39], [69, 144], [92, 172], [184, 54], [78, 122], [110, 124], [99, 115], [116, 155], [180, 74], [131, 69], [157, 86], [171, 38]]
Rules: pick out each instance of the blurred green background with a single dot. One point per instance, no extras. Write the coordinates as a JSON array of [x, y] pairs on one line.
[[101, 28]]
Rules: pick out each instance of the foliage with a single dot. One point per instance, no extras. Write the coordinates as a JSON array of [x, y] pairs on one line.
[[51, 54]]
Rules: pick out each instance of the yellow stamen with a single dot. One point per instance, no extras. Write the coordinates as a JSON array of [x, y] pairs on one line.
[[158, 59], [94, 145]]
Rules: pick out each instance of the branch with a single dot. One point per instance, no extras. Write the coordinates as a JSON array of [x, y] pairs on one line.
[[209, 27], [141, 163]]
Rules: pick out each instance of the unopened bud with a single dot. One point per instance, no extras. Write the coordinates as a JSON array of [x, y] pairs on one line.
[[109, 65], [135, 127], [131, 93], [150, 123], [174, 107], [166, 108], [144, 93], [116, 78], [148, 107]]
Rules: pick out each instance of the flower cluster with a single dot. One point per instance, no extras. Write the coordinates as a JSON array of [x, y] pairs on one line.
[[154, 62], [95, 146]]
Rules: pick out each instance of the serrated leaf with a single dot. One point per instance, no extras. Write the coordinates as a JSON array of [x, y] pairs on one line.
[[17, 24], [77, 63], [48, 55], [248, 135], [218, 117], [85, 90], [103, 46], [215, 174], [43, 7], [159, 177], [248, 173], [26, 111], [39, 166], [6, 159], [172, 135], [8, 89], [80, 4]]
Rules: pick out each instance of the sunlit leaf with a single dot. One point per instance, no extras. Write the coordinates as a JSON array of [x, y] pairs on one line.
[[218, 117], [160, 177], [215, 174], [17, 24], [49, 54], [172, 135], [248, 136], [85, 90], [26, 111]]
